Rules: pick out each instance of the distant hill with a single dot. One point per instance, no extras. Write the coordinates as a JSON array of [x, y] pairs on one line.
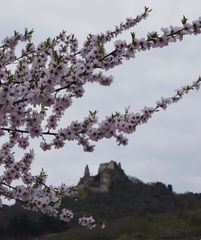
[[110, 195]]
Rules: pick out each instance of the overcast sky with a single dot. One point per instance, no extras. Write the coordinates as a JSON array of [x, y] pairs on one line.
[[167, 148]]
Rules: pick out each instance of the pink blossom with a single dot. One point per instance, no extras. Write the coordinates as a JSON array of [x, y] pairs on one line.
[[35, 94]]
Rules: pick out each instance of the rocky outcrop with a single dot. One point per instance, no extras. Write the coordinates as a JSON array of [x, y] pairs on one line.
[[109, 174]]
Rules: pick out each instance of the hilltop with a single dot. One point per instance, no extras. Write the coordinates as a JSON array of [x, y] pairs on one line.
[[113, 196]]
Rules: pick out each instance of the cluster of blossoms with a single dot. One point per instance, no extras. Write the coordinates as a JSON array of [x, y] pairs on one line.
[[88, 222], [36, 93], [66, 215]]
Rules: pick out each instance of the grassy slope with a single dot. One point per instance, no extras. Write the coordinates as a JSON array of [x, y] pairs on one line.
[[182, 224]]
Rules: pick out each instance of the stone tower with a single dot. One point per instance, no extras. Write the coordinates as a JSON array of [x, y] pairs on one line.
[[86, 172]]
